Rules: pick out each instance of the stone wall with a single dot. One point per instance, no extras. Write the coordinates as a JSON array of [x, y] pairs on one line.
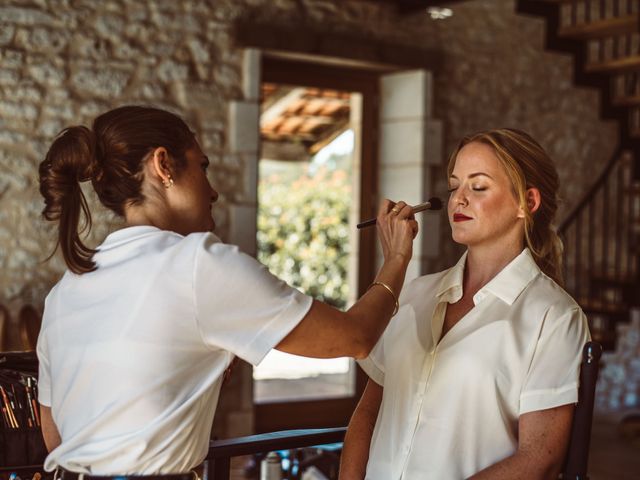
[[64, 61]]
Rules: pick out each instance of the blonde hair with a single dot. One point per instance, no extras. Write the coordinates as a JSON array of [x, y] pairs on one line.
[[528, 166]]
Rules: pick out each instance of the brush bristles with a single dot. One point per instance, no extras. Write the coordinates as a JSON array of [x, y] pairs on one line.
[[436, 203]]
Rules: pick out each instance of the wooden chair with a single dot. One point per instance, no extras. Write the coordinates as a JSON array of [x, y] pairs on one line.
[[30, 322], [577, 460], [4, 328]]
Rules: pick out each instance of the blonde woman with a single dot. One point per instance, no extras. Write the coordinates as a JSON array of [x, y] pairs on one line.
[[477, 375]]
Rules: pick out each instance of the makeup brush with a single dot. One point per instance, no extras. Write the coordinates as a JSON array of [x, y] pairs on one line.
[[434, 203]]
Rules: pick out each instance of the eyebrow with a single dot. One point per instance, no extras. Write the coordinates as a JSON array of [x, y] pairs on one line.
[[473, 175]]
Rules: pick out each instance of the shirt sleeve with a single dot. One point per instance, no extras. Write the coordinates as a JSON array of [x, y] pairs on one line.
[[44, 371], [240, 306], [373, 365], [552, 379]]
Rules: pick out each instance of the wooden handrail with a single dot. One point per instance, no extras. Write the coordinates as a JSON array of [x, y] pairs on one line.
[[586, 199]]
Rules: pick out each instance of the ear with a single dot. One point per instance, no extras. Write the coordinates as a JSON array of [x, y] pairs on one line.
[[160, 164], [532, 196]]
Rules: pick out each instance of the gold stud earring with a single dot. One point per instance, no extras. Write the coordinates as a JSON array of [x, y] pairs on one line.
[[168, 183]]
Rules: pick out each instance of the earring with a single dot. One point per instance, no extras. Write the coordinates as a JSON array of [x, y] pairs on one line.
[[168, 183]]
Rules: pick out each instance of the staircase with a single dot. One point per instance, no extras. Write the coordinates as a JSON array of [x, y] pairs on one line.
[[602, 233]]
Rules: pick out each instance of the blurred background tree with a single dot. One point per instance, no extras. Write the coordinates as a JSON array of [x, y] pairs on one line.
[[303, 229]]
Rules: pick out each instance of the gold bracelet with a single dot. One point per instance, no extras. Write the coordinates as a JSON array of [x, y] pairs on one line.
[[395, 299]]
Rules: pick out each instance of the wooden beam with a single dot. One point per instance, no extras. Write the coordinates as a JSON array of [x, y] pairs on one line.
[[284, 151], [602, 28], [317, 41]]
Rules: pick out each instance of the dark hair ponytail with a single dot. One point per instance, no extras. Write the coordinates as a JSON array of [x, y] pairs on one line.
[[69, 161], [111, 155]]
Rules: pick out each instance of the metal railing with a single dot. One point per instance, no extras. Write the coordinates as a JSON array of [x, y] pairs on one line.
[[221, 451], [599, 235]]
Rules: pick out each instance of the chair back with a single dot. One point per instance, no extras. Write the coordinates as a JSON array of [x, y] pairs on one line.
[[30, 322], [577, 459], [4, 328]]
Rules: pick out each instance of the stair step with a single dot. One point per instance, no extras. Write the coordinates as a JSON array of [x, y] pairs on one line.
[[605, 338], [612, 279], [627, 101], [602, 28], [601, 306], [625, 64]]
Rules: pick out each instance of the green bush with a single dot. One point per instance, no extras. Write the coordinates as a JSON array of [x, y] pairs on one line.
[[303, 232]]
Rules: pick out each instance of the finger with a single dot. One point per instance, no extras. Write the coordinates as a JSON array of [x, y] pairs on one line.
[[405, 212], [414, 227], [398, 207], [385, 206]]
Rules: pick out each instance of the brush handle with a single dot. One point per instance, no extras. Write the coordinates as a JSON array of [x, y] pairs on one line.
[[421, 207]]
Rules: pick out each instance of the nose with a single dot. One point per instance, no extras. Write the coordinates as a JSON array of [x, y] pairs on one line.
[[459, 197], [214, 195]]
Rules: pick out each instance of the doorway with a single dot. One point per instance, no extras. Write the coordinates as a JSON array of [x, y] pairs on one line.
[[317, 179]]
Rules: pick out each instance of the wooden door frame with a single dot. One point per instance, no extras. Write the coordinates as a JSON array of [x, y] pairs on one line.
[[331, 412]]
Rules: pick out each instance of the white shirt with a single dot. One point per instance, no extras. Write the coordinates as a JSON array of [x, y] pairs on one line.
[[132, 354], [450, 407]]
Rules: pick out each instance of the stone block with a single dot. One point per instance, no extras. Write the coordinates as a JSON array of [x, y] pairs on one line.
[[170, 71], [63, 111], [402, 142], [9, 77], [26, 92], [402, 183], [243, 228], [251, 77], [25, 16], [249, 192], [47, 74], [18, 110], [109, 26], [51, 127], [7, 137], [406, 95], [41, 39], [11, 58], [212, 140], [6, 33], [228, 78], [244, 130], [102, 82]]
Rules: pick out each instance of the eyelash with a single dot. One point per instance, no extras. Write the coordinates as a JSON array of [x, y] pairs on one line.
[[476, 189]]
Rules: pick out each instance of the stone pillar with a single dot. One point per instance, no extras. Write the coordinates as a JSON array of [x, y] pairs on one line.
[[410, 148]]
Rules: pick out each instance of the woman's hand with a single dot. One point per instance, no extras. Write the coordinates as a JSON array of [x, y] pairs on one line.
[[397, 227]]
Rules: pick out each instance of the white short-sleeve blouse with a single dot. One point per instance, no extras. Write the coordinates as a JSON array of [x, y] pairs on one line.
[[132, 354], [450, 406]]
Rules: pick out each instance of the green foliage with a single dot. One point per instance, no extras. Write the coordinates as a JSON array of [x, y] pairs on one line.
[[303, 232]]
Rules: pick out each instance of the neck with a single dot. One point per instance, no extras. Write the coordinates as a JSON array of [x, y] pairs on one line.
[[484, 263], [137, 215]]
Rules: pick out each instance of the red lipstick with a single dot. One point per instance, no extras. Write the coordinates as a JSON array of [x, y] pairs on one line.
[[459, 217]]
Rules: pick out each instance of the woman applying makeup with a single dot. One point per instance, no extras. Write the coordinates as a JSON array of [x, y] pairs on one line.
[[477, 375], [137, 334]]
